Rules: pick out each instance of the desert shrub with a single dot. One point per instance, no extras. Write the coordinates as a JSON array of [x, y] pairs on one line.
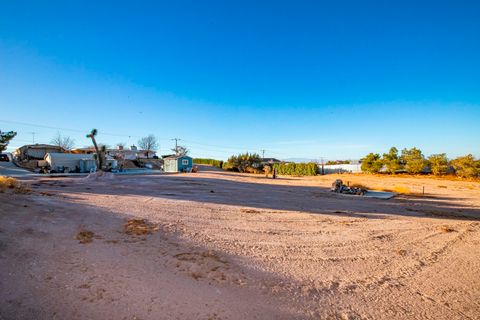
[[332, 162], [296, 169], [392, 161], [414, 160], [466, 166], [372, 163], [212, 162], [253, 170], [438, 163], [243, 161], [12, 184], [8, 183]]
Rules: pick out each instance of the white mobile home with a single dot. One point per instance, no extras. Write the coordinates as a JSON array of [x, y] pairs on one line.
[[66, 162]]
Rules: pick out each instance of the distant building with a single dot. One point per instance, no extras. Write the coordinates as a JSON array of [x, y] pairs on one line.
[[86, 150], [120, 153], [265, 161], [70, 162], [35, 151], [342, 168], [178, 164]]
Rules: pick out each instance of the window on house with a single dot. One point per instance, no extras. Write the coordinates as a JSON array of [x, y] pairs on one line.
[[185, 162]]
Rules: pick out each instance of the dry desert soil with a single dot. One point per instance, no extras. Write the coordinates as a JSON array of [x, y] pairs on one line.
[[220, 245]]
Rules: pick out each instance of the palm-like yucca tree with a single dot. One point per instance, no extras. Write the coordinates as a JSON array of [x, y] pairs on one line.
[[98, 158]]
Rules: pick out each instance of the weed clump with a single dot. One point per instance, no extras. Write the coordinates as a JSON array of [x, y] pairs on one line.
[[138, 227], [84, 236], [9, 183], [446, 229]]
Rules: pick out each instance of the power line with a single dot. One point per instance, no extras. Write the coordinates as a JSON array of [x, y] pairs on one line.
[[68, 129], [217, 147]]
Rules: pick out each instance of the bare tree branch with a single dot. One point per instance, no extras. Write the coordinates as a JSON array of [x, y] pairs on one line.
[[65, 142]]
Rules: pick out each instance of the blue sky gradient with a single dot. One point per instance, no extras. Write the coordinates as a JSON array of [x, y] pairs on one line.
[[300, 79]]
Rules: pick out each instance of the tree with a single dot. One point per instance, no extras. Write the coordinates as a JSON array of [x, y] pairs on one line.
[[180, 151], [414, 160], [5, 138], [98, 157], [438, 163], [466, 166], [244, 161], [372, 163], [392, 161], [148, 143], [64, 142]]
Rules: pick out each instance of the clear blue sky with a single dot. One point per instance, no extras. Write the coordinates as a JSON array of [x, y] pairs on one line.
[[298, 78]]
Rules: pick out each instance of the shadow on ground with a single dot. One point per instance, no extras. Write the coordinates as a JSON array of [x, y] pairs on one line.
[[269, 196]]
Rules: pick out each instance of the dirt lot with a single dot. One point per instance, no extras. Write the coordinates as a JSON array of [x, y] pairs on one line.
[[218, 245]]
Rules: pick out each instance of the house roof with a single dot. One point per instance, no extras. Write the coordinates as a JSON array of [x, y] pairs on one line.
[[270, 160], [40, 146], [63, 156], [176, 157], [69, 156]]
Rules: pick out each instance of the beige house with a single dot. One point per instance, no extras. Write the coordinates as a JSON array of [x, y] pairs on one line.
[[35, 151]]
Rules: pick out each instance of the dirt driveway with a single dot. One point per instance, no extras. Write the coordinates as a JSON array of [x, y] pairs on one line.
[[218, 245]]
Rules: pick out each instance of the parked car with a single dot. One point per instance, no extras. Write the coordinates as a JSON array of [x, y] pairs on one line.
[[4, 157]]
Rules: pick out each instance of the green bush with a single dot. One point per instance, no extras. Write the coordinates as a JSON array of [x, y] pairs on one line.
[[372, 163], [212, 162], [392, 161], [466, 166], [414, 160], [243, 162], [438, 163], [296, 169]]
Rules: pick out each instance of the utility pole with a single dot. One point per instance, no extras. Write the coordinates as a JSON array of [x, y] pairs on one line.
[[263, 153], [176, 144], [33, 137]]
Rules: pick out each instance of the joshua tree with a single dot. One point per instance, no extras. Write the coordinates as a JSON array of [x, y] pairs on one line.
[[98, 156]]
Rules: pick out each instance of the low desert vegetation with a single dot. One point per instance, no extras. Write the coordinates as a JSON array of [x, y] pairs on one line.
[[210, 162], [251, 163], [397, 188], [296, 169], [333, 162], [9, 183], [84, 236]]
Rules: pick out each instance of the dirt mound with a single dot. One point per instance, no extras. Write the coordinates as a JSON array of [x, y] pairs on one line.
[[129, 164]]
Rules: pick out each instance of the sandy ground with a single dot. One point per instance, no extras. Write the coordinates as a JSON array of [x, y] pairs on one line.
[[230, 246]]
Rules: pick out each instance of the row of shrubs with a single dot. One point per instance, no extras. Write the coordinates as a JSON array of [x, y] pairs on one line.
[[212, 162], [296, 169], [252, 163], [413, 161]]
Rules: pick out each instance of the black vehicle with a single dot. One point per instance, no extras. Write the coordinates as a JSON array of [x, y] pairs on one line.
[[4, 157]]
